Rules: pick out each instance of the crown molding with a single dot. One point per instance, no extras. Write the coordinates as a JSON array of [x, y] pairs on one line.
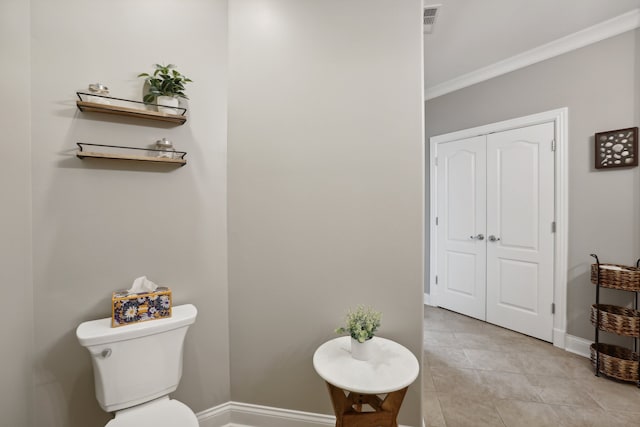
[[604, 30]]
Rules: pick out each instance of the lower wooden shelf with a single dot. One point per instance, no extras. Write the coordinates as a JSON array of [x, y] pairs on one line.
[[126, 153]]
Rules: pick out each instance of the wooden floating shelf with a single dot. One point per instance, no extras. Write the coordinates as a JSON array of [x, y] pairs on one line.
[[83, 154], [120, 110], [93, 107]]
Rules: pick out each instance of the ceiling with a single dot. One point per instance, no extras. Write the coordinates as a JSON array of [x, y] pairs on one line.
[[471, 34]]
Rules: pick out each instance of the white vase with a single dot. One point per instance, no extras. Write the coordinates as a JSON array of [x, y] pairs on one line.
[[362, 350], [169, 101]]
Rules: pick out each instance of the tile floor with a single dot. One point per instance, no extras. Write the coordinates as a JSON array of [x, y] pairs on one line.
[[477, 374]]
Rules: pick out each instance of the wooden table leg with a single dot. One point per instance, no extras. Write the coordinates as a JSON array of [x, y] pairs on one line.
[[348, 408], [339, 401], [392, 403]]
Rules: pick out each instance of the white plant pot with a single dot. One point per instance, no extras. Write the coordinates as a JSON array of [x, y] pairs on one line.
[[169, 101], [362, 350]]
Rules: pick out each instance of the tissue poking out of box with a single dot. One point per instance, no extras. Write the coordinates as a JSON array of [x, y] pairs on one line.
[[127, 308]]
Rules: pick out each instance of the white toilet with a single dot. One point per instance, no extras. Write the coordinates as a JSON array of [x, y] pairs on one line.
[[137, 366]]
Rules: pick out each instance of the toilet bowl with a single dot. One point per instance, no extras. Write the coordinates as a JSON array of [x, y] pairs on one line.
[[160, 412], [136, 366]]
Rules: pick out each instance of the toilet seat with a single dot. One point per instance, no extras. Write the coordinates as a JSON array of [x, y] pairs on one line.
[[162, 412]]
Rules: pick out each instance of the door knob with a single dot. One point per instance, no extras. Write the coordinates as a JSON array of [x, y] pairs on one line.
[[493, 238], [478, 237]]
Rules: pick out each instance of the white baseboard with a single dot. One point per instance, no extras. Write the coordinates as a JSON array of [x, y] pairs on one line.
[[245, 414], [578, 345], [237, 414], [218, 416]]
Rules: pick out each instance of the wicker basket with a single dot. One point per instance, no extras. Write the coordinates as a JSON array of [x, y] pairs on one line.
[[617, 320], [616, 362], [617, 276]]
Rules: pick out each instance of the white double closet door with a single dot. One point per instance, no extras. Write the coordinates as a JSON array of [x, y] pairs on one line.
[[495, 247]]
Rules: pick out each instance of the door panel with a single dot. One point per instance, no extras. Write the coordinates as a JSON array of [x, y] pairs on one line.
[[517, 178], [519, 284], [460, 273], [520, 211], [461, 181]]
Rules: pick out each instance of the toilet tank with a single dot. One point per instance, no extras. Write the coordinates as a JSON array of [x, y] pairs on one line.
[[136, 363]]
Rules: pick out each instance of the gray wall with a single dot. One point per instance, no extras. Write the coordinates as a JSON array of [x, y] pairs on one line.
[[600, 85], [16, 316], [97, 225], [325, 194]]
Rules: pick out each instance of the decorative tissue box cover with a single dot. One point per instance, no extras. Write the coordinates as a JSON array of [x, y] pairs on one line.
[[127, 309]]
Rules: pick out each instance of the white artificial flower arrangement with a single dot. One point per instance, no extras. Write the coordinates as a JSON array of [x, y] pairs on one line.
[[361, 323]]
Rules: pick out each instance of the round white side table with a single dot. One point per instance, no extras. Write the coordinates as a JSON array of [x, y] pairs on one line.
[[389, 372]]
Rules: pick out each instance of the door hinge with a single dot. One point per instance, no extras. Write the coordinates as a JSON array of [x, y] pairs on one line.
[[553, 227], [553, 308], [436, 220], [435, 159], [553, 145], [436, 279]]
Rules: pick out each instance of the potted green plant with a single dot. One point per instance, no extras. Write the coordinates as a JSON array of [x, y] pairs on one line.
[[361, 324], [166, 85]]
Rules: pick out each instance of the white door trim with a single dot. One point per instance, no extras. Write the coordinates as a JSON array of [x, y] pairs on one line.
[[561, 187]]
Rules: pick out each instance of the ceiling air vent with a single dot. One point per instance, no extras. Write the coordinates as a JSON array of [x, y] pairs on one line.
[[429, 16]]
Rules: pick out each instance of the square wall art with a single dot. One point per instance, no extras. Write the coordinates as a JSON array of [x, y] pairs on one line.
[[617, 148]]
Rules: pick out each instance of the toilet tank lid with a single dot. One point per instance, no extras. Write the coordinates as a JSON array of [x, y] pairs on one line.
[[96, 332]]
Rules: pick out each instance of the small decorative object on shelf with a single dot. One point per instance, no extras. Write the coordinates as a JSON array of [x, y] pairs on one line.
[[116, 152], [166, 85], [101, 90], [616, 148], [361, 324], [126, 107], [612, 360], [165, 148]]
